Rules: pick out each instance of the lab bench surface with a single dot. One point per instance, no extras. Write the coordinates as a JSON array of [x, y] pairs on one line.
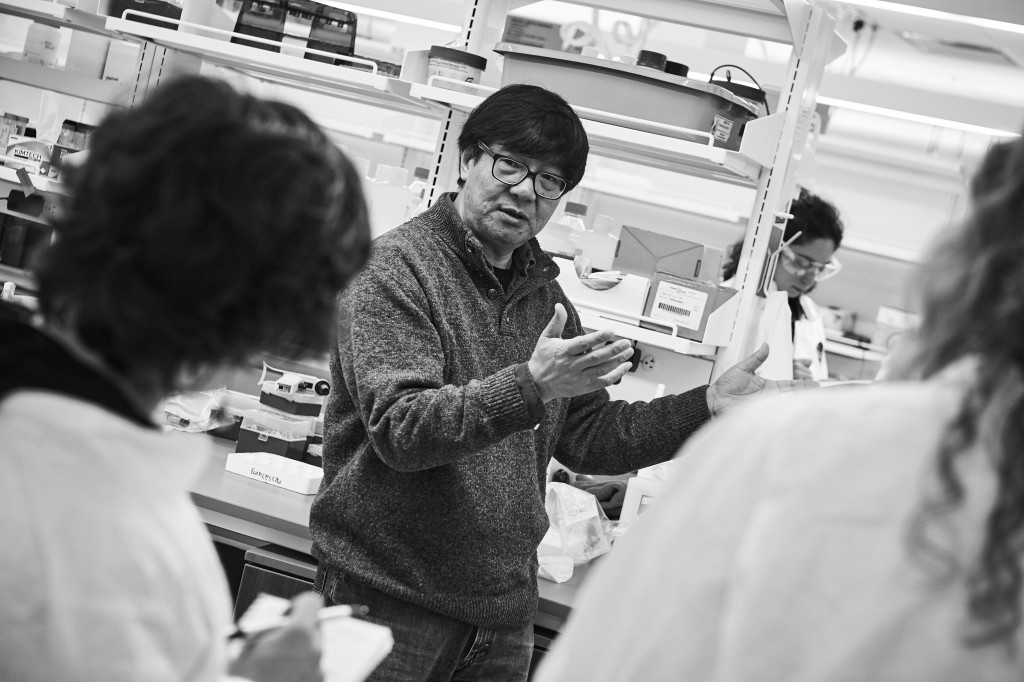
[[237, 505]]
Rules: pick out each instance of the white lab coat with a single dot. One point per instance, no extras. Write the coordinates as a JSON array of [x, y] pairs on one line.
[[107, 571], [806, 343], [779, 551]]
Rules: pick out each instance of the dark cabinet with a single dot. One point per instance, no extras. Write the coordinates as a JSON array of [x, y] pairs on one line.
[[274, 570]]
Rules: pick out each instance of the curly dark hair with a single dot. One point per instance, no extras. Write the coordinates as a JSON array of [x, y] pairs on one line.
[[813, 217], [205, 226], [973, 309], [532, 121]]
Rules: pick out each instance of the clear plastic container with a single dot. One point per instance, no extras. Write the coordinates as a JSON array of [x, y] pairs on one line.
[[600, 243], [41, 45], [562, 238], [417, 193]]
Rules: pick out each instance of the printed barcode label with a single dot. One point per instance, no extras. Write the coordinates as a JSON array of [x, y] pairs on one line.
[[679, 304], [674, 309]]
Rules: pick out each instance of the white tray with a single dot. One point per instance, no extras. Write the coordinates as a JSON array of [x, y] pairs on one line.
[[275, 470]]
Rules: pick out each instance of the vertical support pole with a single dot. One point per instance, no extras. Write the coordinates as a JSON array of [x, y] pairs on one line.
[[777, 184], [478, 35]]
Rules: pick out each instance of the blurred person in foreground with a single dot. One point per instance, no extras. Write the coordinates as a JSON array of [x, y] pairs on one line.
[[461, 369], [854, 534], [790, 322], [204, 227]]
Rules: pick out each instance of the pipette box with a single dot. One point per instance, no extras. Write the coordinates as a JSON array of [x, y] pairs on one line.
[[265, 431], [276, 470]]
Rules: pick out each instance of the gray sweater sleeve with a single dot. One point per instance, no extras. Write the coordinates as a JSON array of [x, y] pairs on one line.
[[395, 362], [604, 436]]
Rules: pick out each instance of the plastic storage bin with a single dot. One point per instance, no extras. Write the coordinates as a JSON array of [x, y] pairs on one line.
[[629, 90], [278, 434]]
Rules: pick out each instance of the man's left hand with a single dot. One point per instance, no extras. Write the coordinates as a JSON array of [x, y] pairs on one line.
[[739, 383]]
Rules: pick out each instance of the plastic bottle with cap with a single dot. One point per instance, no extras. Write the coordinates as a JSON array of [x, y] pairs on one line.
[[41, 45], [562, 238], [600, 243], [418, 193]]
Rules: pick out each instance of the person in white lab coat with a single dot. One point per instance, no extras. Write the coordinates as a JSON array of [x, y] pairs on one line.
[[205, 226], [853, 534], [790, 322]]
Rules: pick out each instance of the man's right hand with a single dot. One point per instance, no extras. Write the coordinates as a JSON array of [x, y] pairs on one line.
[[565, 368]]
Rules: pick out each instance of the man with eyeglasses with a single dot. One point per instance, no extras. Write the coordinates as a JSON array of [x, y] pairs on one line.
[[461, 369]]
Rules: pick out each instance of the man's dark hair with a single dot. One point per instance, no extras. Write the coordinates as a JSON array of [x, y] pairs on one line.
[[532, 121], [204, 227]]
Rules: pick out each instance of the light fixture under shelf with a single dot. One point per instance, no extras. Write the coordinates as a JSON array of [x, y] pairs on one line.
[[916, 118]]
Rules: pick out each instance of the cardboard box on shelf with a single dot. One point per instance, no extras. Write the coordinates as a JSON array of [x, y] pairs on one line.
[[702, 311], [644, 253], [536, 32], [121, 63]]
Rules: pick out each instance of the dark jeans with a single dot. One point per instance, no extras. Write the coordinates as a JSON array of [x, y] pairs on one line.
[[429, 646]]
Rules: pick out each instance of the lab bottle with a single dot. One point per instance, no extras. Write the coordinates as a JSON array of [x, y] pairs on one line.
[[41, 45], [562, 238], [599, 244], [417, 193]]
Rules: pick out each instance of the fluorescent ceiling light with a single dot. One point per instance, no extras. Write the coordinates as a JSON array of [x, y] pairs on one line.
[[916, 118], [937, 14], [403, 18]]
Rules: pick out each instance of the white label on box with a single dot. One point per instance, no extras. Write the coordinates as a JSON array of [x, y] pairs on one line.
[[680, 304], [721, 129]]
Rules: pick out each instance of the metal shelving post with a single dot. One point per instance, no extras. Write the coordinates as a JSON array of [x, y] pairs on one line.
[[811, 51]]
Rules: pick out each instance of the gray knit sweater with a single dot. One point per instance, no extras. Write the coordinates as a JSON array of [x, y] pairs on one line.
[[433, 488]]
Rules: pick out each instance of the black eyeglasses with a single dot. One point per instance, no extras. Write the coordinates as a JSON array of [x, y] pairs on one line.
[[511, 172]]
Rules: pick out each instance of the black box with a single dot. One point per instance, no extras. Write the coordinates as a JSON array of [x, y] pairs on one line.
[[253, 441], [158, 7]]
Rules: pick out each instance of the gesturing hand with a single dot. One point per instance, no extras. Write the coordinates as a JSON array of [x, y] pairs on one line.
[[567, 368], [739, 383]]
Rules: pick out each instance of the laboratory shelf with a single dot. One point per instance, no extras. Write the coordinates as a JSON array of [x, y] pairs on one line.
[[9, 176], [850, 348], [74, 84], [655, 197], [55, 14], [279, 67], [636, 140], [627, 327], [20, 277], [24, 216]]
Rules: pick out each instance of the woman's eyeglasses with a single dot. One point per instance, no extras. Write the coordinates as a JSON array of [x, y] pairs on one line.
[[799, 265], [511, 172]]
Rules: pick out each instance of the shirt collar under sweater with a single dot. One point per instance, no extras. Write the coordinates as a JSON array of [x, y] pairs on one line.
[[459, 237]]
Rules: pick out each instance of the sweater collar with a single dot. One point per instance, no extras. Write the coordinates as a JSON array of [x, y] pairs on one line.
[[466, 244]]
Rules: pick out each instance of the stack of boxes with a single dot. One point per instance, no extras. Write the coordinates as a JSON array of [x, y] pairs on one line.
[[665, 279], [279, 437]]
